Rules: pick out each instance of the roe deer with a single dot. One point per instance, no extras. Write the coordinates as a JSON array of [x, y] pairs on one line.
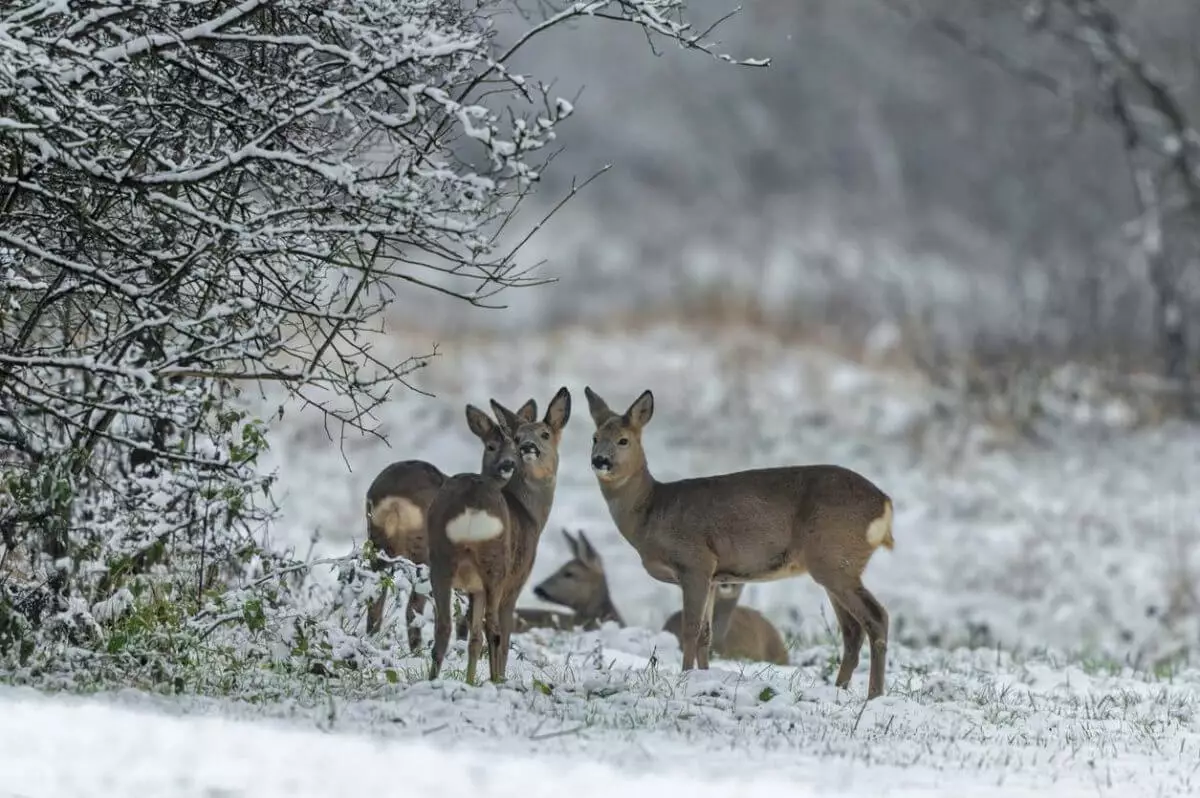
[[483, 540], [747, 526], [581, 585], [738, 632], [397, 507]]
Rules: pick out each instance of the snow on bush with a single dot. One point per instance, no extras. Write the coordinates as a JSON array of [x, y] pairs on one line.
[[200, 198]]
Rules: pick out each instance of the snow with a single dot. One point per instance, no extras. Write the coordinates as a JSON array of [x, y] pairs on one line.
[[1039, 600], [589, 712], [1076, 547]]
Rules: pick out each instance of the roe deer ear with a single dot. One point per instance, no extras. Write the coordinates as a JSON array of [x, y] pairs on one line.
[[597, 407], [479, 423], [587, 553], [528, 411], [558, 413], [641, 411], [572, 544], [507, 418]]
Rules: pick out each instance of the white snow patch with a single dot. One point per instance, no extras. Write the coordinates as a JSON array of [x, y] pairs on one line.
[[590, 713]]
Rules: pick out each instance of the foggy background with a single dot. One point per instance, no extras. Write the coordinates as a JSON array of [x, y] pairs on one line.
[[933, 182], [878, 170]]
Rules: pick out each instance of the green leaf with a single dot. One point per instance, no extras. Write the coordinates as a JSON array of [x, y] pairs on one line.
[[253, 615]]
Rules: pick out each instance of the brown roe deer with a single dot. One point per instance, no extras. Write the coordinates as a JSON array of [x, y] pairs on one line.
[[397, 507], [483, 539], [747, 526], [737, 632], [582, 585]]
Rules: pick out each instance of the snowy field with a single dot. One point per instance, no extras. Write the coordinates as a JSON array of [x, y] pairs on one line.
[[1085, 547], [1041, 599], [589, 714]]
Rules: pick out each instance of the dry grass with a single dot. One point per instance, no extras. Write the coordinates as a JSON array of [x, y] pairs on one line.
[[987, 393]]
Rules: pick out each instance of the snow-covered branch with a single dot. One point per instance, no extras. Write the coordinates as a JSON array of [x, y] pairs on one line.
[[199, 198], [1159, 135]]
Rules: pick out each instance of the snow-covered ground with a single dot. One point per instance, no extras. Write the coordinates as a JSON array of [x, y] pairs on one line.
[[592, 714], [1085, 546], [1061, 566]]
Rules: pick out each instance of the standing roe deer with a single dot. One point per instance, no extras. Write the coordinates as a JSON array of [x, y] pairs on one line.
[[747, 526], [397, 508], [581, 585], [483, 540]]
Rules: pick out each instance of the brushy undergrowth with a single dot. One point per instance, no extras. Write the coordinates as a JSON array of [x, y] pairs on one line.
[[278, 629]]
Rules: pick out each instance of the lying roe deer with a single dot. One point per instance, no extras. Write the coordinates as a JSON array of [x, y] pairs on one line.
[[581, 585], [397, 507], [737, 632], [747, 526], [483, 540]]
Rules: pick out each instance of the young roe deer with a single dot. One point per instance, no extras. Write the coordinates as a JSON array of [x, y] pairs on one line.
[[581, 585], [747, 526], [483, 539], [397, 508]]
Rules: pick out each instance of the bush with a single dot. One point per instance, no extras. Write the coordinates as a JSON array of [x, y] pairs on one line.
[[200, 198]]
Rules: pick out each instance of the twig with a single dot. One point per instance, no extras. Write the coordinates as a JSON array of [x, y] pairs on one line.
[[559, 733], [858, 717]]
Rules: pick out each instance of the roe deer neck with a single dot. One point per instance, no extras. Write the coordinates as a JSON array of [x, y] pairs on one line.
[[603, 610], [533, 497], [629, 500]]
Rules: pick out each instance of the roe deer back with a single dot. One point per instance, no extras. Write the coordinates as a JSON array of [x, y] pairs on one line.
[[397, 507], [747, 526], [483, 539]]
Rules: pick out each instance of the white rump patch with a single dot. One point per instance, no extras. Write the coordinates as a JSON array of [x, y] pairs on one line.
[[880, 529], [397, 516], [474, 526]]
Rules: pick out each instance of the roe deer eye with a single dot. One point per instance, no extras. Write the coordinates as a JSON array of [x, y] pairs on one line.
[[623, 442], [545, 436], [491, 447], [595, 438]]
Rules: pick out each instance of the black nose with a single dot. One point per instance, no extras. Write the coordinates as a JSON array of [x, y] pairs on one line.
[[537, 591], [529, 448], [507, 466], [601, 462]]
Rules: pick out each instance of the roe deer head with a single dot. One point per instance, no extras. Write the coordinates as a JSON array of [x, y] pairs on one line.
[[581, 585]]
